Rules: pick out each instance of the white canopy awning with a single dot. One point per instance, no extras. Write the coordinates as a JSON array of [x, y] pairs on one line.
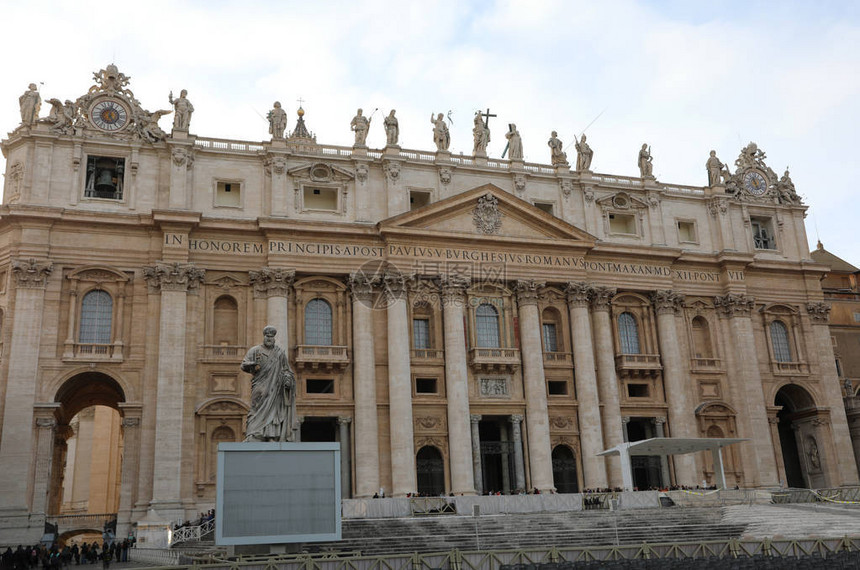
[[672, 446]]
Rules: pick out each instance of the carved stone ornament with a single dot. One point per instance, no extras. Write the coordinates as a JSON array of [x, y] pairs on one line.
[[819, 312], [454, 288], [578, 293], [392, 170], [667, 301], [361, 284], [130, 422], [528, 291], [361, 172], [173, 277], [427, 422], [275, 164], [31, 274], [560, 422], [272, 281], [46, 422], [601, 298], [566, 187], [16, 181], [735, 304], [494, 387], [520, 182], [445, 175], [486, 216], [718, 206], [394, 284], [180, 156]]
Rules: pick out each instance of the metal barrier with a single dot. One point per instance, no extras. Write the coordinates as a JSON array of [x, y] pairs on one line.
[[188, 533], [840, 495]]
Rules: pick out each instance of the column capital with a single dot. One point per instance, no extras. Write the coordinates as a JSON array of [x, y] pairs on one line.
[[667, 301], [601, 298], [475, 418], [454, 288], [394, 284], [659, 421], [735, 304], [578, 293], [130, 422], [528, 291], [516, 418], [344, 420], [31, 274], [46, 423], [173, 276], [272, 282], [625, 420], [362, 286], [819, 312]]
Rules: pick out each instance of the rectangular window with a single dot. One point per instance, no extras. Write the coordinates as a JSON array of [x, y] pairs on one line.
[[687, 232], [550, 339], [762, 231], [319, 386], [104, 177], [228, 194], [426, 386], [320, 199], [420, 333], [637, 390], [556, 387], [545, 206], [622, 224], [418, 199]]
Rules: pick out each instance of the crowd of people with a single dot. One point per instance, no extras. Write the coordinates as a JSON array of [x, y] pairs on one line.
[[59, 558], [203, 518]]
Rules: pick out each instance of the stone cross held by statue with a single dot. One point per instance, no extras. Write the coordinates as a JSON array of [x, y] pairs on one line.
[[487, 116]]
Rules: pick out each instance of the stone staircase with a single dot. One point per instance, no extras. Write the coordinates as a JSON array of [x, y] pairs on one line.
[[506, 532]]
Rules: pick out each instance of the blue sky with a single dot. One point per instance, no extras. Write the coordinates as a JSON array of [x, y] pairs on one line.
[[685, 77]]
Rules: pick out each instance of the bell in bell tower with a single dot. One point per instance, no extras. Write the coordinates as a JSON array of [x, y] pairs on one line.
[[104, 177]]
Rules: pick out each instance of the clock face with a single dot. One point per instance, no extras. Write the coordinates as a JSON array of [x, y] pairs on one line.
[[109, 115], [755, 183]]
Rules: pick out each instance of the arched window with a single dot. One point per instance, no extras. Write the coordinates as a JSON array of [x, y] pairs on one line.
[[226, 321], [702, 338], [487, 325], [96, 310], [779, 339], [549, 330], [318, 323], [628, 331]]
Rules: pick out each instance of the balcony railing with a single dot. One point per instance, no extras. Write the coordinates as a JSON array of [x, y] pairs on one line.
[[557, 359], [316, 356], [223, 352], [706, 364], [427, 356], [790, 368], [495, 358], [93, 351], [638, 364]]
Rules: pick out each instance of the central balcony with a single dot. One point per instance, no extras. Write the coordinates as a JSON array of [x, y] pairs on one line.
[[557, 360], [706, 365], [314, 357], [222, 353], [494, 359], [638, 364], [91, 352], [427, 356]]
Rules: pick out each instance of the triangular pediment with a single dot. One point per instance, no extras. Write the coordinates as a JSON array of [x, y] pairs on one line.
[[486, 213]]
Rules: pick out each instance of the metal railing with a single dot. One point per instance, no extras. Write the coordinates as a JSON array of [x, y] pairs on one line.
[[432, 506], [843, 495], [189, 533]]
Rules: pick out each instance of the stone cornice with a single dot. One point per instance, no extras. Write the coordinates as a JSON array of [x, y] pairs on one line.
[[272, 281], [31, 274], [173, 277], [735, 304]]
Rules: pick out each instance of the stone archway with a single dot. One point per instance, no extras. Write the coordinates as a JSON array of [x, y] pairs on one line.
[[799, 444]]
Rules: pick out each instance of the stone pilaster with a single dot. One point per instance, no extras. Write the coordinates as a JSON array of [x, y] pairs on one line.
[[16, 447], [519, 463], [760, 451], [534, 384], [345, 456], [474, 420], [274, 284], [46, 424], [403, 474], [130, 466], [457, 386], [676, 382], [174, 281], [659, 422], [364, 382], [846, 468], [590, 429], [62, 433], [607, 382]]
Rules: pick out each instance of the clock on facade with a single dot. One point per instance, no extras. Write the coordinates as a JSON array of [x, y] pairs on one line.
[[109, 115], [754, 183]]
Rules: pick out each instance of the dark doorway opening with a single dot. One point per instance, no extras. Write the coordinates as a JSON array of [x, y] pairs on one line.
[[431, 472], [564, 470], [316, 430], [647, 471], [497, 456]]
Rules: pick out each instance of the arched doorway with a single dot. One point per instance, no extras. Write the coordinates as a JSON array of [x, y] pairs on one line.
[[564, 470], [798, 439], [430, 470], [86, 472]]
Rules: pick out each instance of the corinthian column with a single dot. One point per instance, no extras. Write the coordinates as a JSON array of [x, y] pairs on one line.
[[607, 383], [831, 390], [676, 382], [273, 284], [403, 475], [174, 281], [588, 410], [760, 451], [537, 417], [16, 446], [364, 381], [457, 387]]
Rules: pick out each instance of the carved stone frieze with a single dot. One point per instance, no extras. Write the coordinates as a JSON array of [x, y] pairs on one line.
[[601, 298], [819, 312], [667, 301], [528, 291], [735, 304], [16, 181], [486, 216], [31, 274], [272, 281], [578, 293], [430, 423], [494, 387], [561, 422], [173, 276]]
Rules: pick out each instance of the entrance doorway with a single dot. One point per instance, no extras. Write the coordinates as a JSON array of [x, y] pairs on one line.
[[497, 455], [564, 470], [802, 470], [647, 469], [316, 430], [430, 471]]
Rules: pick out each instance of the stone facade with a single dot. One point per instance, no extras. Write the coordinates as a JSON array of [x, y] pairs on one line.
[[459, 325]]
